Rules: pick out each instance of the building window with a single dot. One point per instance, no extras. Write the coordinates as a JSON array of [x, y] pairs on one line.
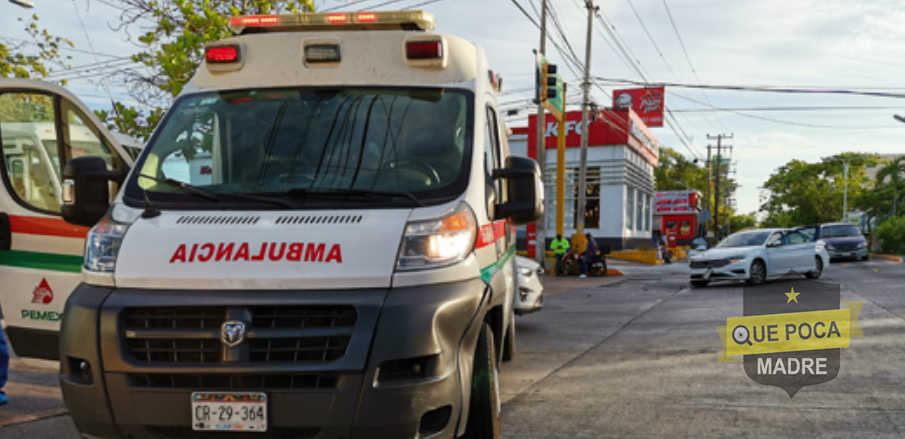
[[647, 203], [629, 207], [592, 198], [639, 210]]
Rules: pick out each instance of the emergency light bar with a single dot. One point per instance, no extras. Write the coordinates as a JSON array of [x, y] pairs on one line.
[[395, 20]]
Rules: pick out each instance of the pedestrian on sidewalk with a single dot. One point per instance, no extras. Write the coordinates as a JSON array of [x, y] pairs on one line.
[[4, 367], [559, 246], [590, 251]]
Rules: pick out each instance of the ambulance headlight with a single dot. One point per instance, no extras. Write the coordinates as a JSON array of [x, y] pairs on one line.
[[438, 242], [102, 244]]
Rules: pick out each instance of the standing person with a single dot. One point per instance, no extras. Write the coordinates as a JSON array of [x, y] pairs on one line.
[[589, 252], [559, 246], [4, 367]]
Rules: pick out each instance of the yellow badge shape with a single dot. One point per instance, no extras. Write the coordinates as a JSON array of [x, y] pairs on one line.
[[789, 332]]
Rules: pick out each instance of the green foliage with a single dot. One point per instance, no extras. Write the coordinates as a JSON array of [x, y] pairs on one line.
[[172, 48], [892, 235], [676, 173], [741, 222], [802, 193], [17, 62]]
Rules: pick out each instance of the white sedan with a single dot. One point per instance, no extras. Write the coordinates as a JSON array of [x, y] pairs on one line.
[[530, 296], [756, 255]]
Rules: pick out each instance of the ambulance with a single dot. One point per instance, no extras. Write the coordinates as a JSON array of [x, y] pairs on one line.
[[333, 259]]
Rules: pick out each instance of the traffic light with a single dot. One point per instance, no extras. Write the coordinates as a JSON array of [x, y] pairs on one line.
[[548, 90]]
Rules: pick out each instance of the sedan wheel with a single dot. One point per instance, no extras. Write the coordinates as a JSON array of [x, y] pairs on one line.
[[758, 273], [818, 268]]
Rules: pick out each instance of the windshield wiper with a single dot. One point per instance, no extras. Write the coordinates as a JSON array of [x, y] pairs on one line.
[[304, 193], [214, 197], [182, 185]]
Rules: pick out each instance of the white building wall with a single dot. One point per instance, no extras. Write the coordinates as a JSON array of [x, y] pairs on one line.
[[620, 169]]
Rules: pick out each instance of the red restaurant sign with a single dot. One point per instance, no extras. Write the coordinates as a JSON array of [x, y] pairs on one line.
[[646, 102], [675, 202]]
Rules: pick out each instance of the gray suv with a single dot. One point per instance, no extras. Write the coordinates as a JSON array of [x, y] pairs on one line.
[[844, 240]]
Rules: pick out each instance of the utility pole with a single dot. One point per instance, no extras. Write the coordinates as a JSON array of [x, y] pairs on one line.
[[585, 109], [719, 169], [709, 188], [540, 238]]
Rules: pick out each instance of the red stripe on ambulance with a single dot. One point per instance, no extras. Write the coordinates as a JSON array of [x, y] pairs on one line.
[[266, 251]]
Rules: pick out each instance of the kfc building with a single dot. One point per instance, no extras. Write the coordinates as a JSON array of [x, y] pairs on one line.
[[622, 155]]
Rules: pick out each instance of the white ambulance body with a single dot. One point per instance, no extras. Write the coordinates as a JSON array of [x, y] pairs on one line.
[[339, 265], [42, 127]]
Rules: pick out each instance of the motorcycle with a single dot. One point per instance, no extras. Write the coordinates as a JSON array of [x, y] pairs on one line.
[[571, 263]]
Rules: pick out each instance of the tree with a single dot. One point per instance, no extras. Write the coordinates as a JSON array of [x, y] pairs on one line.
[[892, 169], [676, 173], [802, 193], [741, 222], [172, 48], [16, 61]]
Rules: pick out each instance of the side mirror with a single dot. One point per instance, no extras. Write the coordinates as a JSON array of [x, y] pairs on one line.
[[525, 200], [86, 190], [701, 248]]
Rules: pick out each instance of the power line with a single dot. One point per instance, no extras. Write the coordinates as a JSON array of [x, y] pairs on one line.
[[800, 124], [769, 89], [792, 108]]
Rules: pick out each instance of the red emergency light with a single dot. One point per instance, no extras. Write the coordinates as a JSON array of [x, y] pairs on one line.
[[222, 54], [254, 20], [424, 50], [365, 17], [337, 18]]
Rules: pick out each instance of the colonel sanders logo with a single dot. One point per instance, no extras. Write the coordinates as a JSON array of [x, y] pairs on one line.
[[624, 101]]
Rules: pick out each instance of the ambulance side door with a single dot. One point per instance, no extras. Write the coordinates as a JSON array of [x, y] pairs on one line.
[[42, 127]]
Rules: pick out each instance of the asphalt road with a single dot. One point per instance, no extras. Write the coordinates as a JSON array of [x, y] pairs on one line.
[[635, 356]]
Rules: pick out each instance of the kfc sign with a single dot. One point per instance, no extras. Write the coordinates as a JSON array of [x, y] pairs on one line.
[[646, 102]]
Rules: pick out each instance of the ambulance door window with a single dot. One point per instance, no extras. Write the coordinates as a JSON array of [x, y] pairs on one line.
[[494, 128], [490, 161], [80, 139], [31, 166]]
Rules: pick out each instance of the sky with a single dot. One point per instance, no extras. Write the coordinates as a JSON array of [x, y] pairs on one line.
[[812, 44]]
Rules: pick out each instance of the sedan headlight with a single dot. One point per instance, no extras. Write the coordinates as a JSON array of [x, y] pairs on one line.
[[438, 242], [525, 271], [861, 245], [737, 258], [102, 244]]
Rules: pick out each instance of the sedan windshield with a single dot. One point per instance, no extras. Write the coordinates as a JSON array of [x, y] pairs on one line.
[[745, 239], [398, 143], [840, 231]]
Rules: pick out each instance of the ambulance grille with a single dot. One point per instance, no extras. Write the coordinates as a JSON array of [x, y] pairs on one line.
[[233, 381], [206, 220], [274, 334], [319, 219]]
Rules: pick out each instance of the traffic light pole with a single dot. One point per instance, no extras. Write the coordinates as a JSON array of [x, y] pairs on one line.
[[540, 238], [561, 168]]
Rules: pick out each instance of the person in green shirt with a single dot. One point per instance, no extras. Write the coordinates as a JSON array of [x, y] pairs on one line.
[[559, 246]]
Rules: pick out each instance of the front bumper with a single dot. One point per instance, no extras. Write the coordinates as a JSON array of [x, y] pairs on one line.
[[737, 271], [837, 253], [370, 391]]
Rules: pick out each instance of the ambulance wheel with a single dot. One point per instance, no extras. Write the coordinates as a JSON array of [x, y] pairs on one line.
[[509, 342], [484, 406], [699, 283]]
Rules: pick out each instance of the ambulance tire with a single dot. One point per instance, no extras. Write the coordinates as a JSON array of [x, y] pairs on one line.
[[484, 406], [509, 341]]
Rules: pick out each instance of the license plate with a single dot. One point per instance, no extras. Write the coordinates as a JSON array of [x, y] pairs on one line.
[[229, 411]]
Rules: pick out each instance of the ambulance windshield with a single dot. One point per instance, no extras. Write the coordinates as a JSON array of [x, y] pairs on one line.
[[280, 142]]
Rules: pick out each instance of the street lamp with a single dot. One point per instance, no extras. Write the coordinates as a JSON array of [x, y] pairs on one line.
[[845, 162], [23, 3]]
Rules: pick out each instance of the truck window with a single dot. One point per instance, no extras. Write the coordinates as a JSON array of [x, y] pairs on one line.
[[282, 141], [30, 162]]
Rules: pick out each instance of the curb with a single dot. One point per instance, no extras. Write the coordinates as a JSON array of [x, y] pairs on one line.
[[892, 258]]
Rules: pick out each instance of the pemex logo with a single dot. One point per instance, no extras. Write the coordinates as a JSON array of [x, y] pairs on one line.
[[42, 293]]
